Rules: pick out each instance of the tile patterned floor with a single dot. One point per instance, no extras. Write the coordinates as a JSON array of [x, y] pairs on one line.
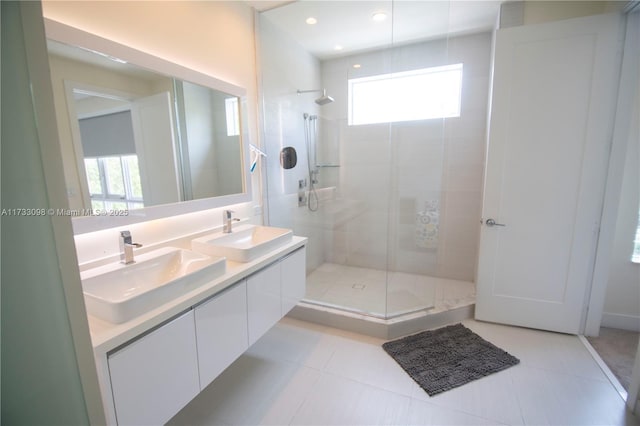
[[365, 290], [306, 374]]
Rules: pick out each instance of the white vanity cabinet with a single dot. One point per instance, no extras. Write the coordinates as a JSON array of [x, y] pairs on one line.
[[293, 284], [274, 291], [263, 301], [221, 331], [156, 375]]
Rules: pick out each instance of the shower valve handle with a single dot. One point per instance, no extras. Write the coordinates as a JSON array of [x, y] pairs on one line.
[[491, 222]]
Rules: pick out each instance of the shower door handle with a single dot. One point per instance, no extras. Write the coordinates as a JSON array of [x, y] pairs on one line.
[[491, 222]]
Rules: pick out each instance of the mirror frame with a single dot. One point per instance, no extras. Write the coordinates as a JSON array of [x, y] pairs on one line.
[[72, 36]]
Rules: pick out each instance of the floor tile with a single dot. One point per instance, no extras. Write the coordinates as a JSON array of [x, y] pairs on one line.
[[490, 397], [340, 401], [369, 364], [301, 373], [253, 390], [556, 352], [425, 413], [296, 341], [549, 398]]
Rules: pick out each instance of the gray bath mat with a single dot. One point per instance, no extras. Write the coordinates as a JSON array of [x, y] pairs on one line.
[[443, 359]]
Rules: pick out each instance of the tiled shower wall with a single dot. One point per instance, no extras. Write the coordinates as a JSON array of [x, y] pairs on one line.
[[395, 170]]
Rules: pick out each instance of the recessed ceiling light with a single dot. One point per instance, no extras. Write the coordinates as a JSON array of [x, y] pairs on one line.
[[311, 20], [379, 16], [338, 47], [356, 66]]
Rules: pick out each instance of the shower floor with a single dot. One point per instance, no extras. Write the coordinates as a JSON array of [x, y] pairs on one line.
[[366, 291]]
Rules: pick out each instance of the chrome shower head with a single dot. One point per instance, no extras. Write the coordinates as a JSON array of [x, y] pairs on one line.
[[322, 100]]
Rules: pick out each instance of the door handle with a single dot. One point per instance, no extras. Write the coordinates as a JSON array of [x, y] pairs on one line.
[[491, 222]]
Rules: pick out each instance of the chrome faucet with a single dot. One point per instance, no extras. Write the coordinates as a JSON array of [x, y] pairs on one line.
[[126, 248], [228, 220]]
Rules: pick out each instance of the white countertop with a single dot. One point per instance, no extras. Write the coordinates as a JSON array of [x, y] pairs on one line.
[[106, 336]]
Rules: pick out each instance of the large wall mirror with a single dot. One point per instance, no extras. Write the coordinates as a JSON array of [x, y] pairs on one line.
[[142, 138]]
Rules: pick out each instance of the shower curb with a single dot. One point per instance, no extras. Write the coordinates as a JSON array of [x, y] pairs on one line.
[[380, 328]]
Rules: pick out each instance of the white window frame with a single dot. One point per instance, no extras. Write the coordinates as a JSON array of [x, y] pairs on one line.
[[109, 198], [406, 96]]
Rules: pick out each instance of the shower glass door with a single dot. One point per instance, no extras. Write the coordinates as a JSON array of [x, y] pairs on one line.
[[354, 271], [380, 185], [424, 91]]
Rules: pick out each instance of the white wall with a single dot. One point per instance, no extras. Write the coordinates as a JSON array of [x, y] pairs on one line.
[[48, 373], [215, 38], [622, 302], [536, 12], [531, 12]]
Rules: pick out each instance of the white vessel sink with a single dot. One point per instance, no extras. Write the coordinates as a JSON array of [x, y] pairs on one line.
[[244, 244], [118, 293]]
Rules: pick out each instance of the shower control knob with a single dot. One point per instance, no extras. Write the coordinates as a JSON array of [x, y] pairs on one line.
[[491, 222]]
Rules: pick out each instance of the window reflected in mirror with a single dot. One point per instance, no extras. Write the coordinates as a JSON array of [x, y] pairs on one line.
[[114, 182]]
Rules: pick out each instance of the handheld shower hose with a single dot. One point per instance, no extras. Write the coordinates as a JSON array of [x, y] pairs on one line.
[[309, 130]]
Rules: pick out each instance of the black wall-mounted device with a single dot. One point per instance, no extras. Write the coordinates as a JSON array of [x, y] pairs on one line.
[[288, 157]]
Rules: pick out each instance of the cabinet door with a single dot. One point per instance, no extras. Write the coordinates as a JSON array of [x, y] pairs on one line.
[[221, 331], [293, 271], [155, 376], [263, 301]]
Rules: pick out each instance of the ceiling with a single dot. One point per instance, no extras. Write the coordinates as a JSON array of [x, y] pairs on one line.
[[348, 23]]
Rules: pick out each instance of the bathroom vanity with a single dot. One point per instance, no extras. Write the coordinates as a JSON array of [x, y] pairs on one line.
[[152, 365], [164, 327]]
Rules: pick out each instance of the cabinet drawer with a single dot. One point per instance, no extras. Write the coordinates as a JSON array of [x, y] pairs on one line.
[[293, 271], [221, 331], [263, 301], [155, 376]]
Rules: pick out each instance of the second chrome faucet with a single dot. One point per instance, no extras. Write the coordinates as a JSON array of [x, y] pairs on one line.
[[126, 248], [227, 220]]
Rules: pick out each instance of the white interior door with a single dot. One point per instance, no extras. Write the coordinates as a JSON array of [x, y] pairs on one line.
[[153, 133], [553, 99]]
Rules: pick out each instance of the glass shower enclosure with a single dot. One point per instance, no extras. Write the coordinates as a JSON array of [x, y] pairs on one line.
[[386, 116]]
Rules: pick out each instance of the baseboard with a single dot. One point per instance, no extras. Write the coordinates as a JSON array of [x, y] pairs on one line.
[[621, 321]]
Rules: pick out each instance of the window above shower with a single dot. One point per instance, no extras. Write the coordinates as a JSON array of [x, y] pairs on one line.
[[421, 94]]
